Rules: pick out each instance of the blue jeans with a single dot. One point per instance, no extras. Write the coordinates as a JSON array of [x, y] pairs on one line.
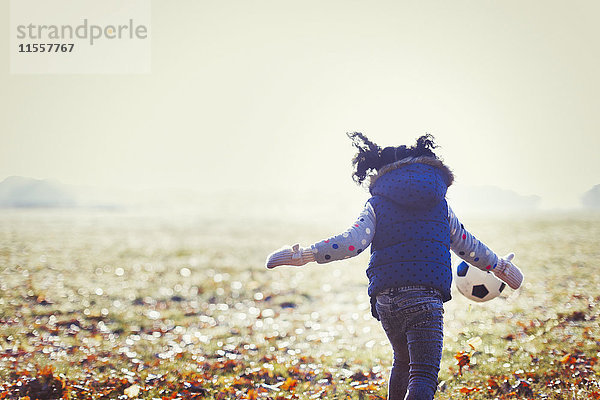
[[412, 318]]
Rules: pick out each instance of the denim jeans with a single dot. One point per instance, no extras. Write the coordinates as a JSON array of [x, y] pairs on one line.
[[412, 318]]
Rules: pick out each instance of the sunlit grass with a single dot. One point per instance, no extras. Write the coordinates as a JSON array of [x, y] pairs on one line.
[[185, 308]]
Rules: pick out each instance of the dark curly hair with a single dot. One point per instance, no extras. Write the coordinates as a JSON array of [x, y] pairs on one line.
[[370, 157]]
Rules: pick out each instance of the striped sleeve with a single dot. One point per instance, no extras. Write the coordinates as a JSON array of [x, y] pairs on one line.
[[349, 243]]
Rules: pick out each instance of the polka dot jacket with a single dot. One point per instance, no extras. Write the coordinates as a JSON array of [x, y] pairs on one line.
[[411, 229]]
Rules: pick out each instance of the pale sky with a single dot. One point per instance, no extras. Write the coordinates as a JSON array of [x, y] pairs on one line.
[[260, 94]]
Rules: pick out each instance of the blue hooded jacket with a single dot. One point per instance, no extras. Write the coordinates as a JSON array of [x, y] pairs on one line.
[[411, 246]]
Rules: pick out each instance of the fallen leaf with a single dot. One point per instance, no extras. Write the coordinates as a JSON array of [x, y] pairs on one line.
[[132, 391], [475, 342], [251, 395], [463, 359], [289, 384], [467, 390]]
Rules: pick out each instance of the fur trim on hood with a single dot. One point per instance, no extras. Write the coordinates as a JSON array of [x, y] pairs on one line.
[[434, 162]]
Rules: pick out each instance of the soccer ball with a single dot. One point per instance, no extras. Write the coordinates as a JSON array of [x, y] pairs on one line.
[[477, 285]]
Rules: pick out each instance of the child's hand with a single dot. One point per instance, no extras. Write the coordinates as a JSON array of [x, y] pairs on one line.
[[509, 272], [290, 256]]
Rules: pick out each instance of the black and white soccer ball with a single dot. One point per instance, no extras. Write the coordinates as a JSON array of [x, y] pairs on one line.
[[477, 285]]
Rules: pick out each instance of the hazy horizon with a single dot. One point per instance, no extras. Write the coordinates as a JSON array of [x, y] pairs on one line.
[[27, 193], [259, 96]]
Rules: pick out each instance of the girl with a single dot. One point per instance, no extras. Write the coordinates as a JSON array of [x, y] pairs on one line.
[[410, 229]]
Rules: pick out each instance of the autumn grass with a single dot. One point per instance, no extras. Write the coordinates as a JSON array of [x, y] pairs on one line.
[[101, 305]]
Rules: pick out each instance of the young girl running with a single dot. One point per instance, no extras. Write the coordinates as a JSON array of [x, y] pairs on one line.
[[410, 229]]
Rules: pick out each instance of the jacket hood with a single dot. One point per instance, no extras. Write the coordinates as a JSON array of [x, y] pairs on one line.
[[434, 162], [415, 182]]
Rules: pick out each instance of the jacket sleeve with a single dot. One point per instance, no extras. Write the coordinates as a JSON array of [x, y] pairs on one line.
[[349, 243], [468, 247]]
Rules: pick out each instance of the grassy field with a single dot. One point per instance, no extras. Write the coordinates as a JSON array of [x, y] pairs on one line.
[[109, 305]]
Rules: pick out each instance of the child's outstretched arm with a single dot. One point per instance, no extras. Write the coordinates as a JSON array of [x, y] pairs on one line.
[[470, 249], [345, 245]]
